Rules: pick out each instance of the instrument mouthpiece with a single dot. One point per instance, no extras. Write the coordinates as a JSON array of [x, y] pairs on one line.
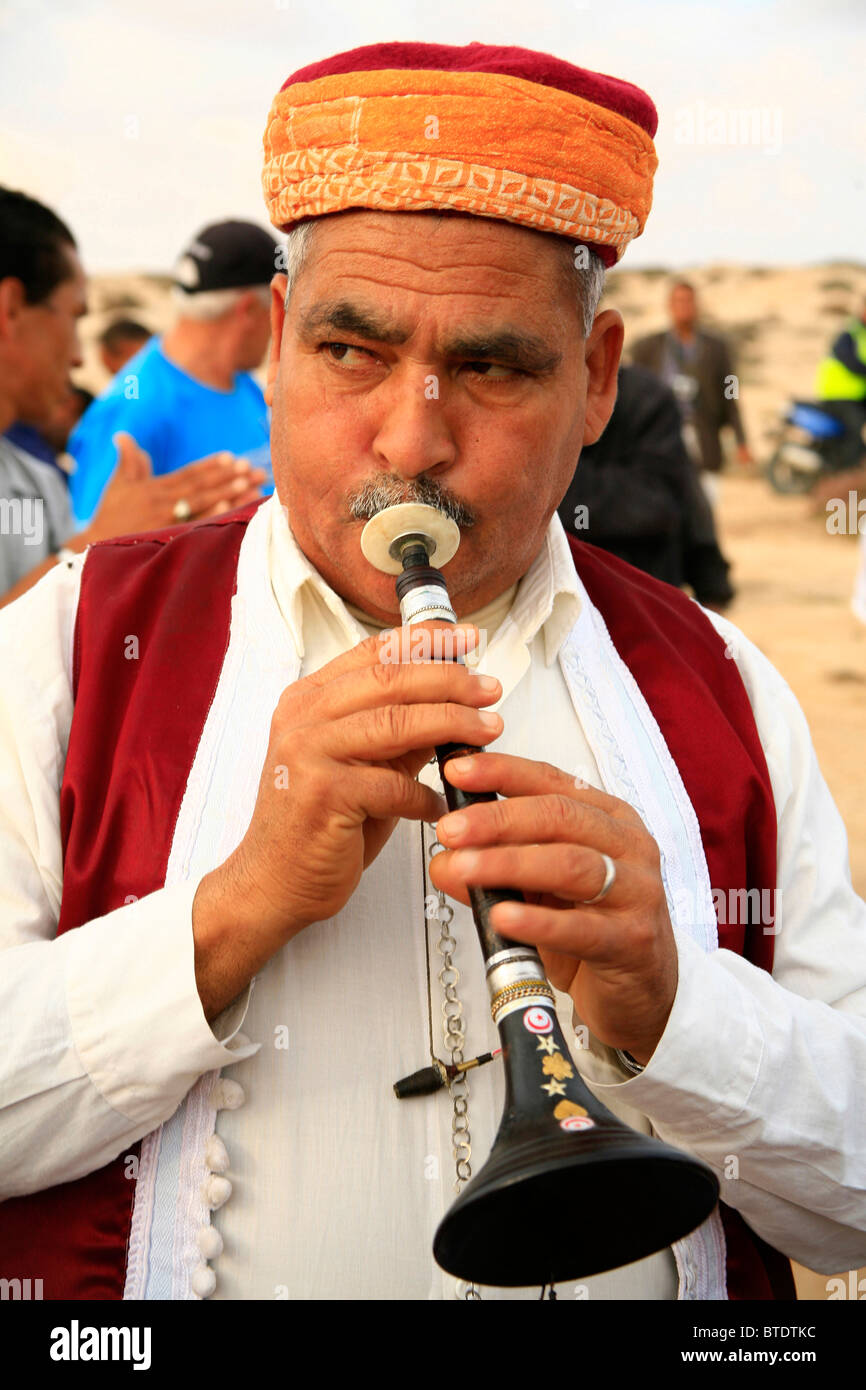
[[387, 532]]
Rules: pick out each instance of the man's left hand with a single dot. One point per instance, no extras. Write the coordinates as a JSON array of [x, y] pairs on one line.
[[617, 958]]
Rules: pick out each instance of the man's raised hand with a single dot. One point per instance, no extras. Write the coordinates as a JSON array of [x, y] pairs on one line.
[[346, 745], [134, 500]]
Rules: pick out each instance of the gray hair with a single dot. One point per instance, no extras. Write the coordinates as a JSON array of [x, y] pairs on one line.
[[590, 286], [584, 264], [207, 305]]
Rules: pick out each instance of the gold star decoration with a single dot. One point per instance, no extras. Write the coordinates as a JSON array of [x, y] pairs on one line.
[[557, 1066], [547, 1044], [554, 1088]]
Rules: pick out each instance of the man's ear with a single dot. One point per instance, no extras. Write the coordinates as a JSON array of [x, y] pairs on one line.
[[249, 302], [12, 301], [603, 352], [279, 286]]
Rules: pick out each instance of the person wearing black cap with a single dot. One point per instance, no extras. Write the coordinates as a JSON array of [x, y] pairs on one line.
[[189, 393]]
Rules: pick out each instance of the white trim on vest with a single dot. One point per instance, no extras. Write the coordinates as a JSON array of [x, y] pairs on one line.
[[255, 671], [636, 765]]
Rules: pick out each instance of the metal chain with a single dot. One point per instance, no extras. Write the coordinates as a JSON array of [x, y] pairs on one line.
[[454, 1035], [455, 1038]]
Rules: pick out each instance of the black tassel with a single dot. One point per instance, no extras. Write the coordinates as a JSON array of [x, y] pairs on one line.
[[421, 1083], [430, 1079]]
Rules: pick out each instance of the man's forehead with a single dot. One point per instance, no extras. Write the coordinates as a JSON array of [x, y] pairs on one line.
[[73, 287], [73, 262], [394, 267], [435, 240]]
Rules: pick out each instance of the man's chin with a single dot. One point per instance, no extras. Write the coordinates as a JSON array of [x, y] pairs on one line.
[[56, 400]]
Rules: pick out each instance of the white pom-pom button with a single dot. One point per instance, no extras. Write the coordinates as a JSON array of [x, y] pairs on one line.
[[209, 1242], [227, 1095], [216, 1191], [203, 1281], [216, 1155]]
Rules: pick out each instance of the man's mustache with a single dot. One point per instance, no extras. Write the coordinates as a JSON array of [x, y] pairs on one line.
[[386, 491]]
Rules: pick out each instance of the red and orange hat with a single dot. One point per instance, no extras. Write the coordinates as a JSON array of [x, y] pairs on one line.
[[497, 131]]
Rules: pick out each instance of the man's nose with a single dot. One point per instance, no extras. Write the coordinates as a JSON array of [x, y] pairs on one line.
[[76, 353], [414, 434]]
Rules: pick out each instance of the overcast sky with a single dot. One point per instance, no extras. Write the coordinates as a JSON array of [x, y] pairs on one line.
[[141, 120]]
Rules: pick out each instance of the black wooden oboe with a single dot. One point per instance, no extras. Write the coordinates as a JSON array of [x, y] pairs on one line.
[[568, 1190]]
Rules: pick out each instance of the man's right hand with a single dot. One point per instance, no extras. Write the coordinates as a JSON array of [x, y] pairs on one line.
[[134, 500], [345, 747]]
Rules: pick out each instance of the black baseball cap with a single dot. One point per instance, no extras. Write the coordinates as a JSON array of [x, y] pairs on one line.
[[227, 256]]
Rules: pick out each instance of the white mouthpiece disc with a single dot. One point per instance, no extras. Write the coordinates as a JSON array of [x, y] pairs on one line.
[[409, 519]]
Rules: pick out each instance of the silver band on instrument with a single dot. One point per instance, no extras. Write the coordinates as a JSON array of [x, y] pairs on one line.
[[512, 954], [426, 602], [519, 967], [609, 881]]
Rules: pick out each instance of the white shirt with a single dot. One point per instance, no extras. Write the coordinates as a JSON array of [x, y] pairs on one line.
[[337, 1186]]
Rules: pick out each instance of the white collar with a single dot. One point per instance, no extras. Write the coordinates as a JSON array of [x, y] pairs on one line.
[[548, 595]]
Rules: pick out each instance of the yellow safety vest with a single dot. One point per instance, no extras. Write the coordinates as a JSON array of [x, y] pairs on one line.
[[834, 381]]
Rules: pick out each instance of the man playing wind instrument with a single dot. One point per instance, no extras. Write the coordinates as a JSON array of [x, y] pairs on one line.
[[212, 778]]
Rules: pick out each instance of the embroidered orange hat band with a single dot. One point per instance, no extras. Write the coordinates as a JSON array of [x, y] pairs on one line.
[[500, 132]]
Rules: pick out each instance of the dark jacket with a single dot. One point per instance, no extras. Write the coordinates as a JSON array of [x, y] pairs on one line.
[[714, 407], [643, 498]]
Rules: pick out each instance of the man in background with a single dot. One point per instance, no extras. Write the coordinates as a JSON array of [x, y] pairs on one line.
[[120, 341], [47, 437], [697, 367], [42, 296], [636, 493], [189, 393], [841, 385]]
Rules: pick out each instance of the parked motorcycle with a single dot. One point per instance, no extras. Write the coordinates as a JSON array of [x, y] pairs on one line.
[[810, 445]]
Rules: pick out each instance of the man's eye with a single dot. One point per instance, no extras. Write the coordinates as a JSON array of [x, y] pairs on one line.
[[342, 352], [494, 371]]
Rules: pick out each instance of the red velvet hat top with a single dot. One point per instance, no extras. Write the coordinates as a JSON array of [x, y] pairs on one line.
[[543, 68]]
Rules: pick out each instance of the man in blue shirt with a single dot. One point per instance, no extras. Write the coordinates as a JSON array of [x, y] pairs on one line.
[[189, 393]]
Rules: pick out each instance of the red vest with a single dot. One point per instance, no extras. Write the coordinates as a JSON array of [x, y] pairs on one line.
[[135, 729]]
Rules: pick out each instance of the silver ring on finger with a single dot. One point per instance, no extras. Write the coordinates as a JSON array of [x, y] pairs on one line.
[[181, 511], [609, 881]]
